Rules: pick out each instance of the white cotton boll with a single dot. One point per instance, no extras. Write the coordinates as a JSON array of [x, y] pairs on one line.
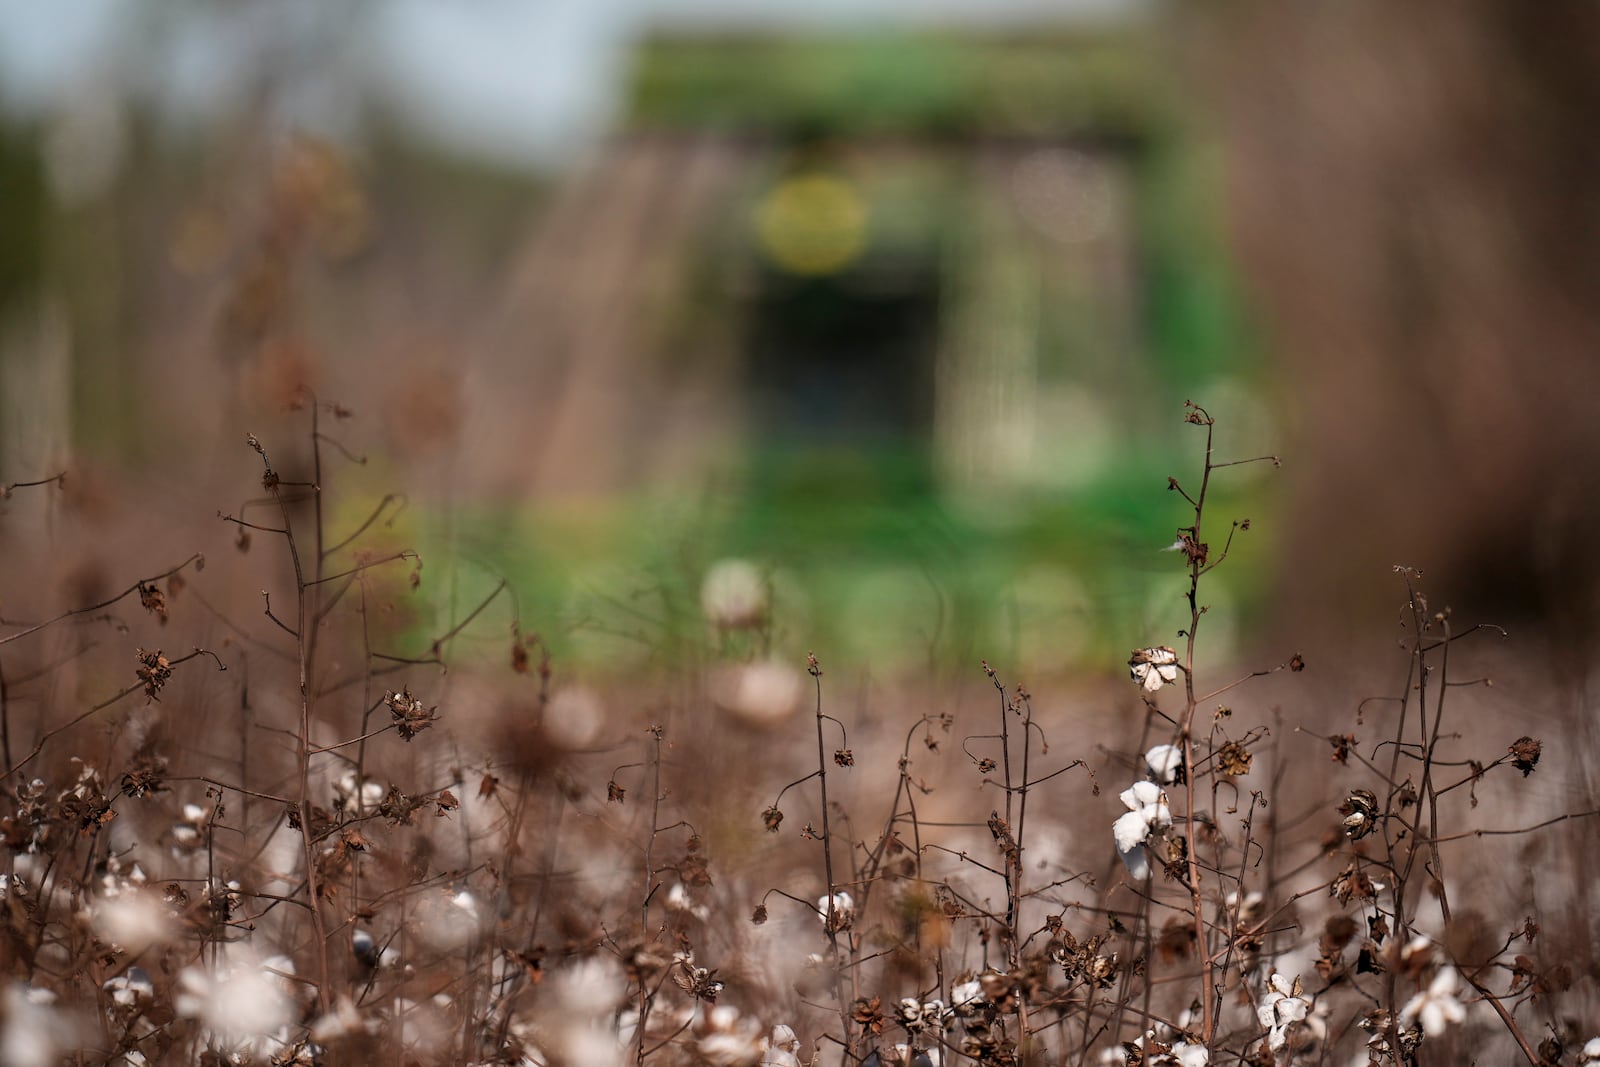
[[782, 1048], [1131, 830], [32, 1030], [843, 914], [1165, 762], [964, 996], [285, 857], [1137, 863], [114, 881], [678, 899], [728, 1050], [589, 988], [346, 785], [591, 1046], [761, 693], [133, 920], [242, 999], [722, 1016], [363, 794], [1153, 668], [1148, 801], [734, 594], [1281, 1006], [778, 1057], [1147, 811], [343, 1021], [1251, 909], [575, 717], [1140, 795], [733, 1040], [134, 987], [1436, 1007]]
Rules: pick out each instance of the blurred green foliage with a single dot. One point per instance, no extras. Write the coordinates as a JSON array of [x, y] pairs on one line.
[[920, 85]]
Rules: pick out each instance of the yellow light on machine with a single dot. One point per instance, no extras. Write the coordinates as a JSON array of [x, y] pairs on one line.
[[812, 224]]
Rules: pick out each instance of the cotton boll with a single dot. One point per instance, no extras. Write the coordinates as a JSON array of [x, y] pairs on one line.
[[762, 693], [782, 1048], [343, 1021], [1147, 811], [591, 987], [243, 999], [362, 794], [1165, 763], [1153, 668], [134, 919], [734, 595], [1130, 831], [447, 921], [1436, 1007], [842, 913], [132, 989], [32, 1030], [591, 1046], [575, 718]]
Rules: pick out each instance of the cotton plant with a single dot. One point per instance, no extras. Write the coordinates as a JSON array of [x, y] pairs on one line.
[[132, 917], [1147, 806], [1152, 1049], [966, 997], [244, 1001], [782, 1048], [34, 1031], [1282, 1006], [680, 900], [923, 1022], [1147, 813], [1185, 1054], [730, 1039], [1165, 763], [358, 793], [838, 913], [1436, 1007], [1153, 668], [189, 832]]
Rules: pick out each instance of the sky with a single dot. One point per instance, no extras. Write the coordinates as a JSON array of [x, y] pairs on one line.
[[525, 82]]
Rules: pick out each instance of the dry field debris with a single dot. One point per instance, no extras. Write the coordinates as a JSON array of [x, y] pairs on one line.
[[309, 830]]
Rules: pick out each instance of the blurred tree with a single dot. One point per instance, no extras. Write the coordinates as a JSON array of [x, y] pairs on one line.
[[21, 214], [1414, 198]]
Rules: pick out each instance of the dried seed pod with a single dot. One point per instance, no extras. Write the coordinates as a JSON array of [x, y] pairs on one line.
[[1360, 811]]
